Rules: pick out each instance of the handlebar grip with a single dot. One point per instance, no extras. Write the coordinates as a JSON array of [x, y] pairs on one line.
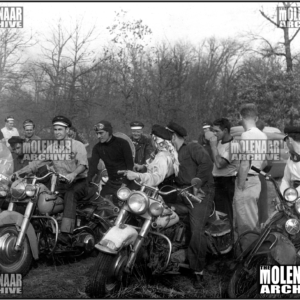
[[255, 169], [194, 197]]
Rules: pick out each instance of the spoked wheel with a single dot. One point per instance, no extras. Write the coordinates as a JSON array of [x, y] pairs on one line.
[[11, 260], [243, 283], [107, 275]]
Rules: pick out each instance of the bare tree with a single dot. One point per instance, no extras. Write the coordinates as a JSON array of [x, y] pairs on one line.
[[277, 50]]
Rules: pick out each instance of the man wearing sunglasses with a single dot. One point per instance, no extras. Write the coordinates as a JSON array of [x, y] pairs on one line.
[[116, 155]]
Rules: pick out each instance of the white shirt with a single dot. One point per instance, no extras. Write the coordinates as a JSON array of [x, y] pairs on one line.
[[225, 151], [249, 136], [291, 173], [9, 133], [159, 169]]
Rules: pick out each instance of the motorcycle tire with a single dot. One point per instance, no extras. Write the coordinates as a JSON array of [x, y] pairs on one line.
[[102, 281], [12, 261], [243, 283]]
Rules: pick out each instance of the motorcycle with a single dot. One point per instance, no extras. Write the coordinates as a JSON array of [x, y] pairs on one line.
[[28, 236], [6, 170], [277, 243], [157, 242]]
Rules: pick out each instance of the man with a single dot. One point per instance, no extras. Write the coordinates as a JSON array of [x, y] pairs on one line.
[[9, 130], [29, 131], [165, 162], [248, 186], [116, 155], [291, 177], [16, 144], [195, 162], [225, 168], [74, 167], [143, 144], [204, 137], [263, 204]]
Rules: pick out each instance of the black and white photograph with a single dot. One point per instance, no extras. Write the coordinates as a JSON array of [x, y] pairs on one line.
[[149, 150]]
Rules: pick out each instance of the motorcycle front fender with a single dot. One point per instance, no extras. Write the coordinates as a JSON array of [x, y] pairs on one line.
[[116, 238], [15, 218]]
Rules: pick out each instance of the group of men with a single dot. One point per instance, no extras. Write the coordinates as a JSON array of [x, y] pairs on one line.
[[231, 183]]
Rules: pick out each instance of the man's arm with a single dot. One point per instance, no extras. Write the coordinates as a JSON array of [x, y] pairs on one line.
[[93, 163], [127, 155], [285, 183], [219, 161], [203, 161]]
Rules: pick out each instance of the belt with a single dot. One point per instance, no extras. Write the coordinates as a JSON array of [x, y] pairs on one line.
[[250, 175]]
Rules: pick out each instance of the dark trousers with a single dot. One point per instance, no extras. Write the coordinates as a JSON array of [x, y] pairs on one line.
[[197, 219], [263, 206], [224, 192], [72, 193]]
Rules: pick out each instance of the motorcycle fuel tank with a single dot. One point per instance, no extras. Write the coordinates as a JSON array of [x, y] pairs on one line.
[[49, 203]]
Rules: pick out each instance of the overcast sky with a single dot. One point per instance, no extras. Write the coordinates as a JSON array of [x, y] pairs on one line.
[[168, 21]]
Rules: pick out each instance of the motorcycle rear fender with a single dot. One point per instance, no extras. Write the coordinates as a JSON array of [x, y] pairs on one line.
[[116, 238], [15, 218], [281, 249]]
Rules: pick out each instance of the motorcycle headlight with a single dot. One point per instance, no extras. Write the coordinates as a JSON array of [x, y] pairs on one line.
[[30, 190], [123, 193], [156, 209], [297, 206], [290, 194], [18, 189], [3, 190], [138, 203], [292, 226]]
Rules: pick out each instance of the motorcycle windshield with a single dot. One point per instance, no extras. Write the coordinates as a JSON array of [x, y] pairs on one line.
[[6, 164]]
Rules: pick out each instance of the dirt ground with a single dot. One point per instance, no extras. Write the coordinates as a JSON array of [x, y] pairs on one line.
[[49, 280]]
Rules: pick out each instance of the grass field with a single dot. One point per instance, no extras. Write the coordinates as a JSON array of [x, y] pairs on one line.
[[68, 280]]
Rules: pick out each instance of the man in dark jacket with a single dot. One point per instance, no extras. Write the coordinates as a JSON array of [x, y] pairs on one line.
[[194, 162], [143, 144], [116, 155]]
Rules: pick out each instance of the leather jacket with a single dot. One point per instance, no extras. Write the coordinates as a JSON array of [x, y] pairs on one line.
[[143, 149]]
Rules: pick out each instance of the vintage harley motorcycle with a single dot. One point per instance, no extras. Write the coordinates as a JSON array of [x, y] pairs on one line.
[[157, 241], [34, 233], [278, 243], [6, 170]]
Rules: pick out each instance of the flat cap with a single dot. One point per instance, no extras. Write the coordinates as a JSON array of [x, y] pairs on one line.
[[179, 130], [9, 118], [136, 125], [161, 132], [290, 129], [206, 124], [15, 140], [61, 121]]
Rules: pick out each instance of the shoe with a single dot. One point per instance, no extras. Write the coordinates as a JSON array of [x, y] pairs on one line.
[[64, 238], [198, 282]]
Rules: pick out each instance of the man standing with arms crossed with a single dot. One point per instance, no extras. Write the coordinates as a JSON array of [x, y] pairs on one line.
[[248, 186]]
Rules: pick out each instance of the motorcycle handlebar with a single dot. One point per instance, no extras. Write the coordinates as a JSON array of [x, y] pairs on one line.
[[47, 175]]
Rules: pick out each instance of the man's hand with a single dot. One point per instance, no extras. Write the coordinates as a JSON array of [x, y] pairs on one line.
[[241, 186], [199, 193], [132, 175], [138, 167], [71, 177]]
